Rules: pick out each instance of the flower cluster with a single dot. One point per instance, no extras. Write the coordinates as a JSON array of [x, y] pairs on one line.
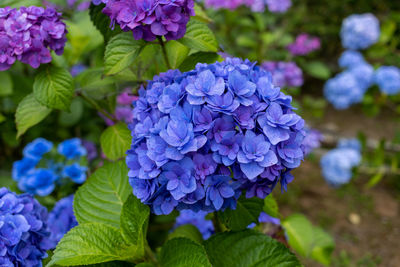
[[360, 31], [388, 79], [123, 111], [312, 140], [304, 44], [41, 168], [23, 230], [197, 219], [274, 6], [61, 219], [338, 163], [28, 35], [284, 74], [151, 18], [201, 137], [278, 6]]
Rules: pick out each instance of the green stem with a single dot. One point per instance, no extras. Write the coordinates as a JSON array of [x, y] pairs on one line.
[[216, 223], [96, 106], [150, 255], [164, 52]]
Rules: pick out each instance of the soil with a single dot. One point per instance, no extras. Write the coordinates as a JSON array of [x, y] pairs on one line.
[[365, 223]]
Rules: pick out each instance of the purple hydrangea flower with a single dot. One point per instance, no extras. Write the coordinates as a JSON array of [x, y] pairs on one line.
[[202, 137], [304, 44], [228, 4], [197, 219], [284, 73], [29, 34], [61, 220], [360, 31], [278, 6], [312, 140], [23, 230], [148, 19]]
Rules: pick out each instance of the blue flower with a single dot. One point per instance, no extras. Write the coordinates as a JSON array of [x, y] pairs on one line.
[[39, 182], [388, 80], [197, 219], [351, 58], [205, 84], [143, 189], [360, 31], [227, 150], [37, 148], [22, 167], [164, 204], [170, 97], [23, 230], [218, 189], [242, 87], [364, 75], [75, 172], [72, 148]]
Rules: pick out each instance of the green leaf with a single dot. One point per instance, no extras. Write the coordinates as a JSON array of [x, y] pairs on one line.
[[101, 198], [318, 70], [91, 243], [176, 53], [200, 57], [71, 118], [199, 37], [271, 206], [95, 84], [201, 15], [308, 240], [2, 118], [183, 252], [53, 88], [19, 3], [189, 231], [102, 22], [247, 211], [120, 52], [6, 85], [29, 113], [134, 221], [115, 141], [248, 248]]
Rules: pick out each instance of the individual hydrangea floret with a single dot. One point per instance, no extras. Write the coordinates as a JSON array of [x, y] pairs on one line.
[[360, 31], [23, 230], [29, 34], [285, 74], [338, 163], [304, 44], [351, 58], [61, 219], [197, 219], [343, 90], [388, 79], [202, 137], [41, 169], [151, 18]]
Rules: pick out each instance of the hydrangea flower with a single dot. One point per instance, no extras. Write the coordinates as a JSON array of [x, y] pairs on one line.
[[29, 34], [230, 4], [338, 163], [265, 218], [343, 90], [285, 73], [151, 18], [351, 58], [197, 219], [278, 6], [77, 69], [388, 79], [123, 111], [40, 170], [61, 219], [202, 137], [304, 44], [312, 140], [360, 31], [23, 230]]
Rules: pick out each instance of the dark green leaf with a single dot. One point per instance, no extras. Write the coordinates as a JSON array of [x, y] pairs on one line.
[[176, 53], [271, 207], [115, 141], [199, 37], [102, 22], [200, 57], [6, 85], [189, 231]]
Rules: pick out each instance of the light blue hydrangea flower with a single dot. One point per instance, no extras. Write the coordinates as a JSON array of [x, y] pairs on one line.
[[388, 79], [360, 31]]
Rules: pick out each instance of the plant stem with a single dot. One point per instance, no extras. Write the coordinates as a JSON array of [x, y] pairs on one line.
[[164, 52], [216, 223], [150, 255], [96, 106]]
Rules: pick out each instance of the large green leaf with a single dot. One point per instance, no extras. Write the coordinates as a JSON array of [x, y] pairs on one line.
[[134, 221], [6, 85], [183, 252], [247, 211], [101, 198], [271, 207], [29, 113], [200, 57], [53, 87], [308, 240], [248, 248], [120, 52], [199, 37], [176, 53], [91, 243], [115, 141], [188, 231]]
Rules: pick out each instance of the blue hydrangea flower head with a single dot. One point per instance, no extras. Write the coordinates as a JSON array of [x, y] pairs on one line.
[[72, 148], [350, 58], [352, 143], [75, 172], [202, 137], [343, 90], [388, 79], [23, 230], [364, 75], [197, 219], [37, 148], [360, 31], [338, 163], [61, 219], [39, 182]]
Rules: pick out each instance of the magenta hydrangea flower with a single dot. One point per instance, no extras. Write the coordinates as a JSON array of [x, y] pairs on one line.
[[203, 137], [304, 44], [29, 34], [284, 73], [148, 19]]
